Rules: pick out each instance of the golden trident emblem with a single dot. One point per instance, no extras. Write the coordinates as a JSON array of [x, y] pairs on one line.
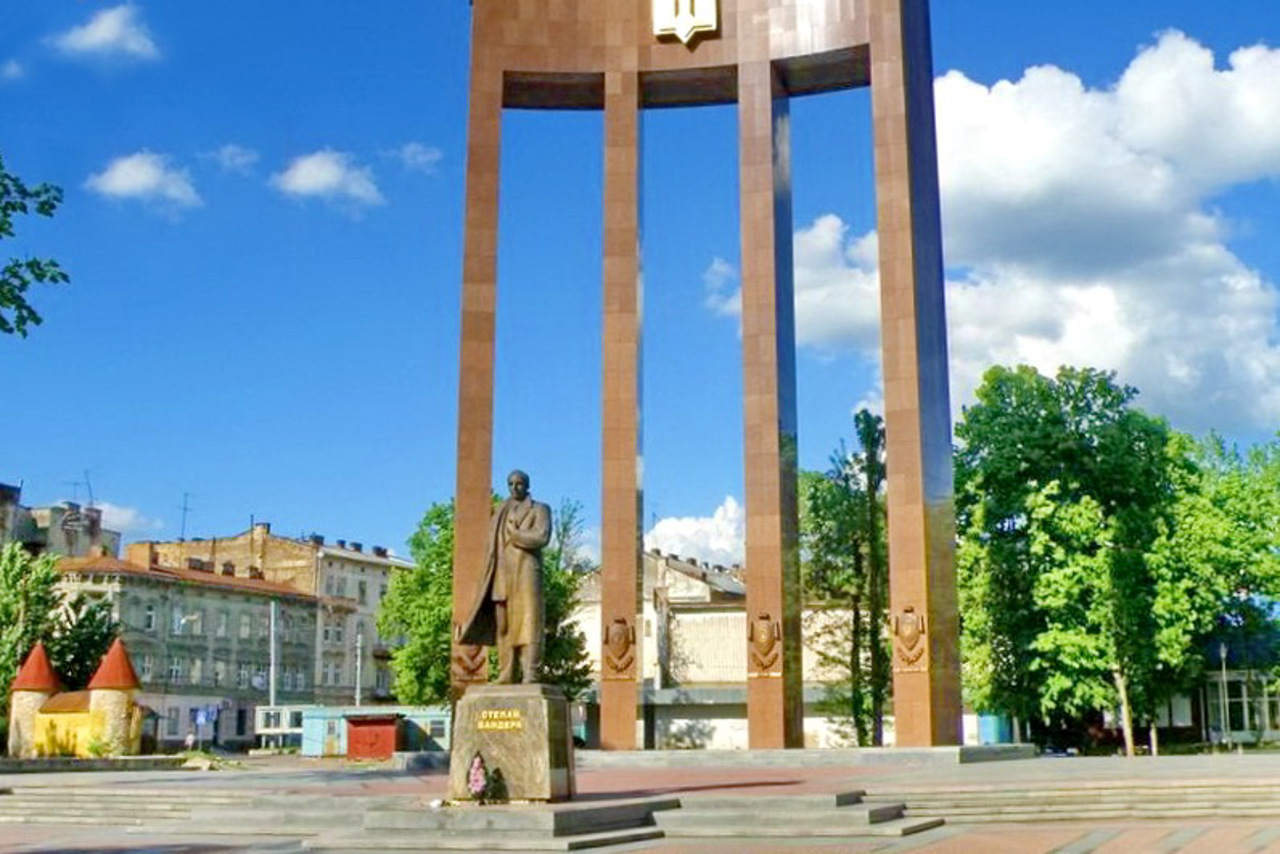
[[684, 18]]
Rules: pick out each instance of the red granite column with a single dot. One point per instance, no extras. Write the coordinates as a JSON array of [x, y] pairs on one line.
[[924, 621], [622, 498], [774, 687], [479, 302]]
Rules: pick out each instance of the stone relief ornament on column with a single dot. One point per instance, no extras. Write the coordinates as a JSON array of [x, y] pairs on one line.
[[619, 643], [684, 19], [908, 632], [765, 635]]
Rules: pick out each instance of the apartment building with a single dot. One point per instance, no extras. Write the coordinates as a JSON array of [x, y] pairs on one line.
[[200, 638], [346, 580]]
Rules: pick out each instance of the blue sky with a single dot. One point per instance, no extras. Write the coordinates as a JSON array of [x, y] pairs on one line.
[[263, 228]]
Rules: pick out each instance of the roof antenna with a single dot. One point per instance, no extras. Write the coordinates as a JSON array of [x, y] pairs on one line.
[[186, 508]]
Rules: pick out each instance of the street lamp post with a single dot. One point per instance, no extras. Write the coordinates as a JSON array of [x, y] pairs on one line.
[[359, 661], [1222, 693]]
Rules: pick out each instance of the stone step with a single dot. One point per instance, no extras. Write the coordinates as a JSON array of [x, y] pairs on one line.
[[894, 827], [1270, 793], [962, 809], [409, 840], [241, 819], [19, 802], [10, 805], [678, 822], [52, 815], [773, 803], [97, 820], [116, 796], [555, 820], [1087, 815], [1085, 818], [205, 829]]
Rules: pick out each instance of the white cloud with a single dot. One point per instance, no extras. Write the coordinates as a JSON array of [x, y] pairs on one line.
[[1080, 228], [417, 157], [12, 70], [117, 31], [724, 297], [147, 177], [717, 538], [235, 158], [330, 175], [127, 520]]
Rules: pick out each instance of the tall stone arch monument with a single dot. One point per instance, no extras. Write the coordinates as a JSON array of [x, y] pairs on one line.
[[623, 56]]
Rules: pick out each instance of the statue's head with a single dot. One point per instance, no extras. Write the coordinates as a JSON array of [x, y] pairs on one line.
[[518, 484]]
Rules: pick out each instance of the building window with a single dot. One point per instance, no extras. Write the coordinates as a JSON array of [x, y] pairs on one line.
[[196, 620], [362, 588], [242, 721], [246, 626], [295, 720], [339, 629], [178, 621], [148, 667], [175, 669], [301, 679], [222, 625], [342, 586], [171, 718], [219, 672], [328, 585], [264, 626], [197, 671], [242, 675], [435, 728], [149, 619]]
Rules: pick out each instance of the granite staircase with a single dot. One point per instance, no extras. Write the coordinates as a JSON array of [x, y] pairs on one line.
[[114, 807], [555, 827], [844, 815], [1089, 801]]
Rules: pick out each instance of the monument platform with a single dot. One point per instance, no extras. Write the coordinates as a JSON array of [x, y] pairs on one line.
[[520, 734]]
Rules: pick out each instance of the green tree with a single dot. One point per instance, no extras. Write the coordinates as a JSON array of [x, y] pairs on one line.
[[28, 602], [417, 612], [80, 634], [565, 661], [842, 525], [1219, 558], [18, 274], [1058, 478], [1096, 648]]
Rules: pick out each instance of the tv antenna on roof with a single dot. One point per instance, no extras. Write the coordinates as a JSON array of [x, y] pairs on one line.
[[186, 508], [75, 488]]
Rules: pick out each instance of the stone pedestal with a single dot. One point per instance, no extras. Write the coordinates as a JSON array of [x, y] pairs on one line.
[[522, 731]]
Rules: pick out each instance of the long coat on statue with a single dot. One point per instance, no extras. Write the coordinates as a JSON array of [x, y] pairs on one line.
[[512, 574]]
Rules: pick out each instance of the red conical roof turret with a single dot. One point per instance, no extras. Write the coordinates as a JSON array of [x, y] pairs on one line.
[[115, 673], [36, 673]]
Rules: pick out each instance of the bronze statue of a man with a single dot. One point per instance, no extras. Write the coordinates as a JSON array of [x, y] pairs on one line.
[[508, 609]]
